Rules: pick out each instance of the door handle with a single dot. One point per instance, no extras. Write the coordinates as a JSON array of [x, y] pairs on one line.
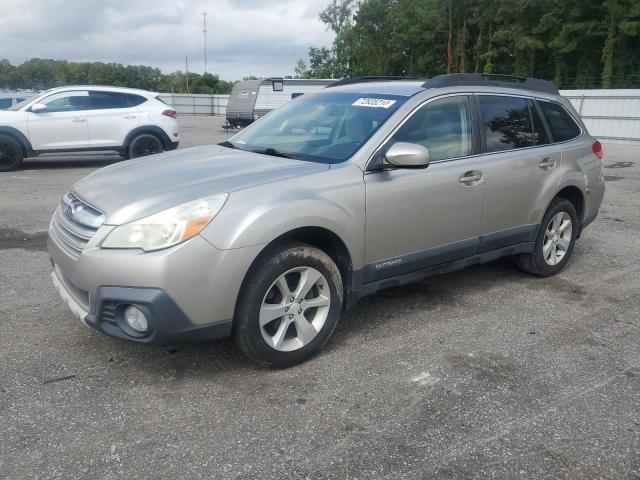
[[78, 119], [547, 163], [129, 116], [470, 177]]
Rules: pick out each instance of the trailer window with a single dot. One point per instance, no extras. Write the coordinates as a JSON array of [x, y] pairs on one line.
[[278, 85]]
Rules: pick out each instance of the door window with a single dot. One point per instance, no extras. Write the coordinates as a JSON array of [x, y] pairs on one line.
[[563, 127], [540, 136], [66, 101], [443, 126], [108, 100], [506, 122]]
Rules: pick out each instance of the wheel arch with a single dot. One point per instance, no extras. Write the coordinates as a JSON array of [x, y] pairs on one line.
[[323, 239], [148, 129], [20, 137], [576, 197]]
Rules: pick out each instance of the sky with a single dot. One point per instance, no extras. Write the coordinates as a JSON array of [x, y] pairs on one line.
[[245, 37]]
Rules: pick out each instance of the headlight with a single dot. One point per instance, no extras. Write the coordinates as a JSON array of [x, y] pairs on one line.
[[166, 228]]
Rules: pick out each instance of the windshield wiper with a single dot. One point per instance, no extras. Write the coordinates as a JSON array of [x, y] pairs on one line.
[[228, 144], [277, 153]]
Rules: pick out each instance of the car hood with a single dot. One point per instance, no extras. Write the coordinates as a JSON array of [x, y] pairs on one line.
[[137, 188], [10, 115]]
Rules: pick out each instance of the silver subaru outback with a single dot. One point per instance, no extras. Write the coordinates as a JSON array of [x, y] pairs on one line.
[[368, 184]]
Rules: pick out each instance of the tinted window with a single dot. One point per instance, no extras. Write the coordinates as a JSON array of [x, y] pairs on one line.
[[443, 126], [506, 122], [5, 102], [66, 102], [105, 100], [562, 126], [540, 136]]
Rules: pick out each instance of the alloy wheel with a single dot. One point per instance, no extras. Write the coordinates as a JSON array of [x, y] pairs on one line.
[[146, 146], [557, 238], [294, 309], [8, 154]]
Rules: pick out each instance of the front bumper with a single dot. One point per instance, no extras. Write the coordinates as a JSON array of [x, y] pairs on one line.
[[188, 291]]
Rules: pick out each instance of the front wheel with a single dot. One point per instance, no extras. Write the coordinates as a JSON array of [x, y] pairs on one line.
[[143, 145], [10, 153], [289, 306], [554, 242]]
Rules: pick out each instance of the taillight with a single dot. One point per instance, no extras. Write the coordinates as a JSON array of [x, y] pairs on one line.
[[170, 112], [597, 149]]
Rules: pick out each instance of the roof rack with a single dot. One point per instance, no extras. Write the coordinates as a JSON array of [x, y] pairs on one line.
[[352, 80], [508, 81]]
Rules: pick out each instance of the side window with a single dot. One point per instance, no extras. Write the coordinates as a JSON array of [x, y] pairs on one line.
[[443, 126], [135, 100], [506, 122], [106, 100], [67, 101], [563, 127], [539, 133]]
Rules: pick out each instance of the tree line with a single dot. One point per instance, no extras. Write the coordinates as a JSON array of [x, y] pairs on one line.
[[40, 74], [576, 43]]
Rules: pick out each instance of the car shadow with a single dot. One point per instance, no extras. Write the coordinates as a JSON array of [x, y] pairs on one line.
[[66, 162]]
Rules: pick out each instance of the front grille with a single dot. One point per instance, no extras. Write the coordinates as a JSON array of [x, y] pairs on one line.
[[74, 223]]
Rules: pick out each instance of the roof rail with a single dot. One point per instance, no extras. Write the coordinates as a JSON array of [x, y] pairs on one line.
[[351, 80], [508, 81]]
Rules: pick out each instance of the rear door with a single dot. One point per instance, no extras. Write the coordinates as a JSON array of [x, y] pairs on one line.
[[418, 218], [63, 125], [112, 115], [521, 168]]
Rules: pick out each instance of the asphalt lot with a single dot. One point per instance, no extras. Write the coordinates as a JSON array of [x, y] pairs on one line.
[[484, 373]]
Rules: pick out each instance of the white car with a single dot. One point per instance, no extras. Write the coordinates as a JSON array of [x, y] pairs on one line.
[[87, 118]]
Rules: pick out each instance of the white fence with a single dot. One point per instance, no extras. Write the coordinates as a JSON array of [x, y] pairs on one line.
[[610, 115], [196, 104]]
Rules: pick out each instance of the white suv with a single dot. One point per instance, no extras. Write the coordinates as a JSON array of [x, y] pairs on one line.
[[70, 119]]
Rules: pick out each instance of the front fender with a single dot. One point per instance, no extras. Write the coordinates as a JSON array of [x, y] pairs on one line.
[[333, 199]]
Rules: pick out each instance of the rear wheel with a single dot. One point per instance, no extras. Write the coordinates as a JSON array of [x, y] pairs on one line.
[[554, 242], [289, 306], [143, 145], [11, 153]]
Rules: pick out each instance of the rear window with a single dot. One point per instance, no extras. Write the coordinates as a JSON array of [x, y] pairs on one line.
[[506, 122], [563, 126]]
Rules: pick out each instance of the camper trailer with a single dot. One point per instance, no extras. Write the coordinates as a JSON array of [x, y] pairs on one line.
[[251, 99]]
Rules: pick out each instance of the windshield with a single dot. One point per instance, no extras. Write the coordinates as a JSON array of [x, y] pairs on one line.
[[327, 127]]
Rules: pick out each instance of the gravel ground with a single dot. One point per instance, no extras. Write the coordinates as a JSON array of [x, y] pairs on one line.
[[484, 373]]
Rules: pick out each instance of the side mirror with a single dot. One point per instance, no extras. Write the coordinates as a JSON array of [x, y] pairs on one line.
[[38, 107], [408, 155]]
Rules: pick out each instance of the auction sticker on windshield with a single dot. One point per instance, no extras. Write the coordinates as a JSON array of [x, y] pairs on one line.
[[374, 102]]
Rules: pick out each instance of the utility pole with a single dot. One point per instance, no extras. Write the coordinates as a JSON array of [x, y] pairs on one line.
[[186, 67], [204, 31]]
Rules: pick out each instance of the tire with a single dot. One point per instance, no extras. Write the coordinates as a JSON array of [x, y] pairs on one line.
[[552, 252], [303, 329], [11, 153], [143, 145]]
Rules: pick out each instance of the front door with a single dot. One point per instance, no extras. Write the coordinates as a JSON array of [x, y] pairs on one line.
[[418, 218], [63, 125]]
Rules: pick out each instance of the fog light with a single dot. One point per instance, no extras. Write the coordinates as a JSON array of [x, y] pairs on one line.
[[136, 319]]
